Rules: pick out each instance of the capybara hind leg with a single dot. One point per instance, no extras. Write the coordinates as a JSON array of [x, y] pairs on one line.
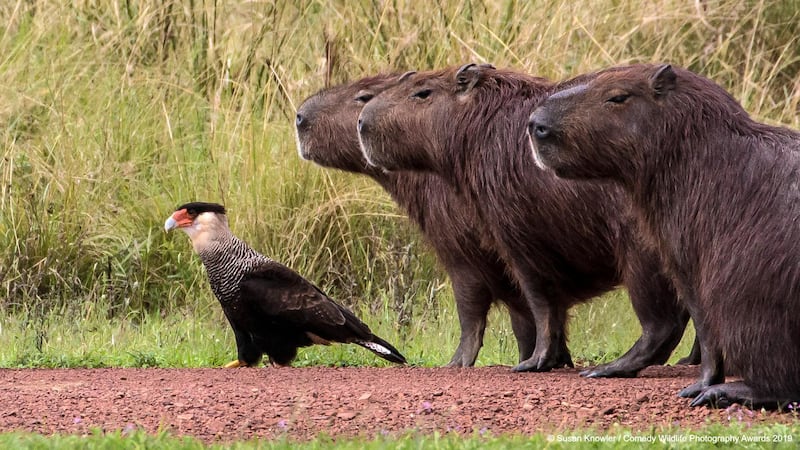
[[551, 350], [692, 358], [726, 394], [472, 302], [524, 328]]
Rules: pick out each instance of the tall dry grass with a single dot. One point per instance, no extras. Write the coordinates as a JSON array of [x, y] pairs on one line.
[[115, 111]]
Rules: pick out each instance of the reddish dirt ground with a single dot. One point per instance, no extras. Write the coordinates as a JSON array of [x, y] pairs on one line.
[[232, 404]]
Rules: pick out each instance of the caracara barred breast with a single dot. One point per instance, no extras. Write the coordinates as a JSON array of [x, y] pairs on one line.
[[271, 308]]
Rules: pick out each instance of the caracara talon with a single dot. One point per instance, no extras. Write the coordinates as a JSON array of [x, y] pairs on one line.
[[234, 364]]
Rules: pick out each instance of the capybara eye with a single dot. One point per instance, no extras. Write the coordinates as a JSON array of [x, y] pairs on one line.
[[423, 94], [618, 98], [364, 98]]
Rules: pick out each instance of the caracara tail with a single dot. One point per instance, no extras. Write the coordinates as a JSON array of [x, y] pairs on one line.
[[383, 349]]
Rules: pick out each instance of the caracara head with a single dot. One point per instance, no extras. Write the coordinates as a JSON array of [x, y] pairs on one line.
[[202, 221]]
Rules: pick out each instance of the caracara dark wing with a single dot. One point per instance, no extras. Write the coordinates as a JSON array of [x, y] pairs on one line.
[[284, 296], [271, 309]]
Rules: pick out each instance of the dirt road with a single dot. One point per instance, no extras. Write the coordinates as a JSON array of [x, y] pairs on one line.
[[228, 404]]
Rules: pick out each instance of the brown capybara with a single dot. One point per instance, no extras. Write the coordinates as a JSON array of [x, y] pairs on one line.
[[565, 242], [326, 135], [717, 194]]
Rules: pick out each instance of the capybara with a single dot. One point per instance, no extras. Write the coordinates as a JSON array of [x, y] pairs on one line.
[[326, 135], [565, 242], [717, 194]]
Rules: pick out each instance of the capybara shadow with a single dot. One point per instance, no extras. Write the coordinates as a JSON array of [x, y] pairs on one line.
[[326, 135], [717, 194], [564, 242]]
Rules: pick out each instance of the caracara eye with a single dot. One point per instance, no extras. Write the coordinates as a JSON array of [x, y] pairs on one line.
[[364, 98], [191, 212], [618, 98], [423, 94]]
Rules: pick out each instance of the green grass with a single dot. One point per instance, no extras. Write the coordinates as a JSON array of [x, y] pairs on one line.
[[761, 436], [115, 112], [600, 331]]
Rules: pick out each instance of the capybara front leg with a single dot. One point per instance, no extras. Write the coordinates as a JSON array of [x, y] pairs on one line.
[[661, 314], [712, 369], [473, 300]]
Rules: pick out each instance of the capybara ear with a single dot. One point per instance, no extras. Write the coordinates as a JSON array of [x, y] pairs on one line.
[[470, 74], [663, 80], [406, 75]]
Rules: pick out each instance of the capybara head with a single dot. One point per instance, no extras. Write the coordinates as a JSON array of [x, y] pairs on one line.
[[326, 122], [571, 128], [409, 126], [614, 124]]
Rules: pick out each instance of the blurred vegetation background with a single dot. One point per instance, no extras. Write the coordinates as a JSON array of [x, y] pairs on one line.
[[113, 112]]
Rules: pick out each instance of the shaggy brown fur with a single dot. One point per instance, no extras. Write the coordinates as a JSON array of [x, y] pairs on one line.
[[565, 242], [326, 135], [717, 194]]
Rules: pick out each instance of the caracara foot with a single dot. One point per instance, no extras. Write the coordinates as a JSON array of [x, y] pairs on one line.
[[235, 363]]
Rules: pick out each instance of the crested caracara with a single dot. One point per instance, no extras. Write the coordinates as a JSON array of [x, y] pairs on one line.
[[270, 307]]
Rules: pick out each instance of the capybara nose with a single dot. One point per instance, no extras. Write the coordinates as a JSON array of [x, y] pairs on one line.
[[300, 120]]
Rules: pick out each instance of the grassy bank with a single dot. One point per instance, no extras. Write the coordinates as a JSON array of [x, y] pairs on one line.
[[199, 337]]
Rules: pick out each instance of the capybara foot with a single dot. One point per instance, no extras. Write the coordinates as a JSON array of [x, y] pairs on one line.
[[460, 360], [467, 351], [609, 371], [455, 361], [726, 394], [543, 364], [531, 364], [693, 390]]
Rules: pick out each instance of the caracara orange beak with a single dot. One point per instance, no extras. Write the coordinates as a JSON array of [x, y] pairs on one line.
[[178, 219]]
